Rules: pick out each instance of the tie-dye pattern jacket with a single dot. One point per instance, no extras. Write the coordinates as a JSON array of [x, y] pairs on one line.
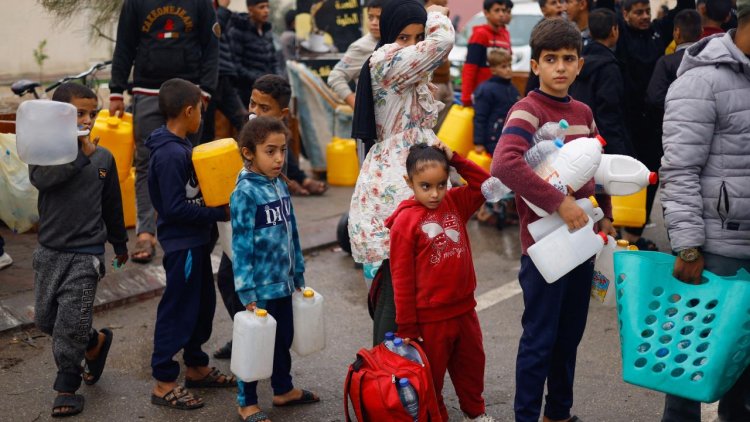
[[267, 260]]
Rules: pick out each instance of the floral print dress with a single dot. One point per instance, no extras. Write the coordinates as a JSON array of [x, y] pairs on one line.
[[405, 113]]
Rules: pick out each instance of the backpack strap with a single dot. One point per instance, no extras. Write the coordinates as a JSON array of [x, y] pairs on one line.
[[353, 390]]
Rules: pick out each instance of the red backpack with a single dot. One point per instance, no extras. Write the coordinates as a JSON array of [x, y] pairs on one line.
[[371, 387]]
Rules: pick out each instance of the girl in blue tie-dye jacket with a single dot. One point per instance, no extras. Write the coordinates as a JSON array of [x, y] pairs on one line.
[[267, 259]]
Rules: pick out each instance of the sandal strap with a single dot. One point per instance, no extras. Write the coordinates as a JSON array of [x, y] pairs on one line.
[[215, 374], [180, 394], [256, 417]]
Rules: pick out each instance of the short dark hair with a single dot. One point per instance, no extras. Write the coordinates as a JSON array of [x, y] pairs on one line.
[[718, 10], [176, 94], [377, 4], [257, 130], [489, 3], [275, 86], [628, 4], [422, 153], [66, 92], [289, 18], [498, 56], [553, 35], [601, 22], [255, 2], [690, 24]]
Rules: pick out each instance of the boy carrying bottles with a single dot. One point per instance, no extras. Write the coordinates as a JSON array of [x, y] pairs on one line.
[[433, 273], [186, 309], [555, 314], [80, 209], [268, 264]]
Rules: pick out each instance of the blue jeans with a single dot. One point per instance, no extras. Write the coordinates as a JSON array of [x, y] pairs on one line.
[[553, 321], [732, 405]]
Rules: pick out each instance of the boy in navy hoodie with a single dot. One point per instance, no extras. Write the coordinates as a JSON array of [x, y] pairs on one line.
[[492, 100], [186, 309]]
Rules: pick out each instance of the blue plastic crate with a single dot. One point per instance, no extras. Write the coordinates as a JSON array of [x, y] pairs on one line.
[[691, 341]]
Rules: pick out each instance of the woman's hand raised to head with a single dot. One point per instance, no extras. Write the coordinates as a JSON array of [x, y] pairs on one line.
[[438, 9]]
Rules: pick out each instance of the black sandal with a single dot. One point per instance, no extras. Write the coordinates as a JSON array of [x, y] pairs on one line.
[[95, 367], [256, 417], [224, 352], [211, 380], [307, 398], [72, 401], [178, 398]]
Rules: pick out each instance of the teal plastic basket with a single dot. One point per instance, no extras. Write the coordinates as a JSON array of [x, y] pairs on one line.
[[691, 341]]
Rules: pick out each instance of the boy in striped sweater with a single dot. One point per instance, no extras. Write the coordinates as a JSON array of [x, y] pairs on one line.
[[555, 314]]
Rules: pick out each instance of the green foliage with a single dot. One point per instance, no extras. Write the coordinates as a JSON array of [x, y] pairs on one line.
[[40, 56], [101, 14]]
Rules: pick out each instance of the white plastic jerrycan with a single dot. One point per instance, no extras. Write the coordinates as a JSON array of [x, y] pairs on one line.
[[621, 175], [253, 339], [309, 324], [550, 223], [225, 237], [47, 132], [602, 285], [561, 251]]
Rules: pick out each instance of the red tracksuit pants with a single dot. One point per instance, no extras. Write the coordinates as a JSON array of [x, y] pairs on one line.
[[456, 345]]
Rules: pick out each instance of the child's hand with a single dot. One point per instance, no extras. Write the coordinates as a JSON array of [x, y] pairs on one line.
[[605, 225], [87, 146], [251, 307], [442, 147], [299, 289], [480, 149], [119, 261], [573, 215]]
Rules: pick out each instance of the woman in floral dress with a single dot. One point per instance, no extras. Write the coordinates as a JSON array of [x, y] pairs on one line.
[[395, 109]]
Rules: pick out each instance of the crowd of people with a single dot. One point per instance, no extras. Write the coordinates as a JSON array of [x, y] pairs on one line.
[[602, 67]]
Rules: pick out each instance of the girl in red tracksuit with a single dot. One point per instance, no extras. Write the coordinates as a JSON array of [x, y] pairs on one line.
[[433, 274]]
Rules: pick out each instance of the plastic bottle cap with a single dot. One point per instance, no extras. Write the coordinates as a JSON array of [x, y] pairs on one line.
[[389, 335], [632, 248], [559, 143], [622, 243], [398, 342], [113, 121], [403, 382], [604, 237], [652, 178], [261, 312], [564, 124], [308, 293], [601, 140], [594, 202]]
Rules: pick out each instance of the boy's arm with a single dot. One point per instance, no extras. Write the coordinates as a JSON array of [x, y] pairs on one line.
[[47, 177], [404, 276], [509, 165], [299, 260], [347, 70], [209, 66], [476, 57], [402, 67], [482, 107], [468, 198], [243, 225], [112, 214], [238, 50], [173, 177], [125, 49]]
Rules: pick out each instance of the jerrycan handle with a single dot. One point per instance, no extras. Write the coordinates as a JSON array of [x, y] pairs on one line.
[[83, 132], [597, 215]]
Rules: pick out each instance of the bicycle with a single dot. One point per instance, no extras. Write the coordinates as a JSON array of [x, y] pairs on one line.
[[88, 78]]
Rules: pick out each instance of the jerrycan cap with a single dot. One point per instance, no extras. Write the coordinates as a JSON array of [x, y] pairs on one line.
[[594, 202], [622, 243], [308, 293], [633, 248], [261, 312], [652, 178], [601, 140], [113, 121], [604, 237]]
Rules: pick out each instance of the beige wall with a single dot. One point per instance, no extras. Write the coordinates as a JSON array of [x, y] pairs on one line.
[[24, 23]]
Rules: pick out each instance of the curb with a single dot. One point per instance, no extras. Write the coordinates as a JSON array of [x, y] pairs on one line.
[[143, 282]]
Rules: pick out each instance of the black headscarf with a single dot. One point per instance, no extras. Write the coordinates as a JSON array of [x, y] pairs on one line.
[[396, 15]]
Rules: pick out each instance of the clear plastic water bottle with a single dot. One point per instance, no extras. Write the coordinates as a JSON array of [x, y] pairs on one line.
[[406, 351], [541, 155], [409, 398], [389, 337], [494, 190], [551, 131]]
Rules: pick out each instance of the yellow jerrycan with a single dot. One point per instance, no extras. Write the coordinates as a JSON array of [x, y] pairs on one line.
[[217, 165], [343, 166], [116, 135], [127, 191], [457, 130], [483, 160], [630, 210]]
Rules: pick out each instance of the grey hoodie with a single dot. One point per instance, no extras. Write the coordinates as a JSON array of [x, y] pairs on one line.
[[705, 173]]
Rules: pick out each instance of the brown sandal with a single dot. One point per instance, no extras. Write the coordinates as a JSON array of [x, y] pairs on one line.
[[315, 187], [178, 398], [212, 380], [143, 246]]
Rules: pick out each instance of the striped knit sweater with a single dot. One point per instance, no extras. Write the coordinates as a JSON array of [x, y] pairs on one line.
[[508, 164]]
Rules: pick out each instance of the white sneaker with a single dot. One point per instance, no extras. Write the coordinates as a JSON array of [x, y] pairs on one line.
[[480, 418], [5, 261]]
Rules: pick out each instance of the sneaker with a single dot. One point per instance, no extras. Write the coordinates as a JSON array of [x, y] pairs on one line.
[[5, 261], [481, 418]]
